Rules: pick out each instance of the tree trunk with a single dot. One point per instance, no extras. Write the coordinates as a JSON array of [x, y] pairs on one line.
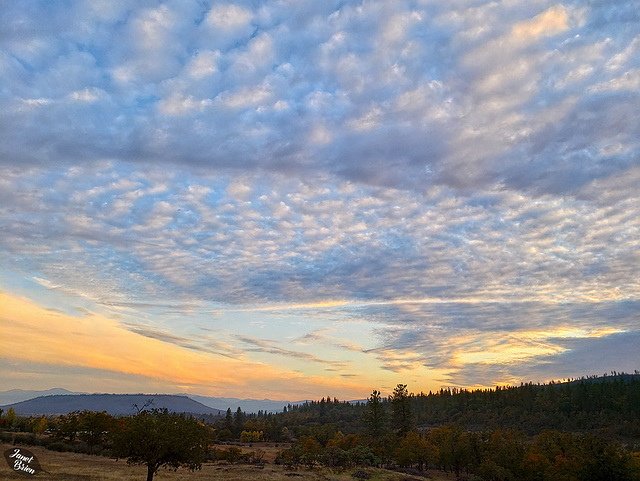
[[150, 471]]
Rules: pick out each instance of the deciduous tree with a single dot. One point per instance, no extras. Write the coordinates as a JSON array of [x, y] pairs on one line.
[[94, 427], [66, 426], [11, 417], [159, 438], [38, 425]]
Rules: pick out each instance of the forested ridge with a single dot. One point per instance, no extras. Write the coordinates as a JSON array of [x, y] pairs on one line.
[[607, 405]]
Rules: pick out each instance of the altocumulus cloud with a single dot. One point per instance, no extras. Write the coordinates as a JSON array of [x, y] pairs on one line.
[[453, 184]]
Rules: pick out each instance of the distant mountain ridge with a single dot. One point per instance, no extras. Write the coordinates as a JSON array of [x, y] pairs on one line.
[[114, 404], [246, 405], [19, 395], [13, 396]]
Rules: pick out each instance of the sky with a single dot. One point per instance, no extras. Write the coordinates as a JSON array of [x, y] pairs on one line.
[[291, 199]]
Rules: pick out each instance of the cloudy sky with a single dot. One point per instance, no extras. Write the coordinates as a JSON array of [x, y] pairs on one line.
[[297, 198]]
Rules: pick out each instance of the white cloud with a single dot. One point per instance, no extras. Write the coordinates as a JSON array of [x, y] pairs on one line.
[[87, 95], [178, 104], [627, 81], [399, 26], [321, 135], [239, 189], [228, 16], [37, 102], [204, 64], [259, 52], [369, 121], [153, 27], [621, 59], [247, 97]]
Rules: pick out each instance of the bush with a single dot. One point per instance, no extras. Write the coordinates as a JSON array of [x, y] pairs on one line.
[[361, 475], [363, 456], [26, 439], [105, 452], [59, 446], [232, 454], [290, 457], [81, 447], [45, 442], [257, 456]]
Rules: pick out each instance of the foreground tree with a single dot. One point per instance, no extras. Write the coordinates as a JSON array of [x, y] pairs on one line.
[[159, 438]]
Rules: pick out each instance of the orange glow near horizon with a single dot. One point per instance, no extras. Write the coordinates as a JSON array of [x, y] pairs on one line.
[[44, 336], [94, 343]]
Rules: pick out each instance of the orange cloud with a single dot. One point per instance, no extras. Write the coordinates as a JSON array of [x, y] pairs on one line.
[[550, 22], [38, 335], [513, 348]]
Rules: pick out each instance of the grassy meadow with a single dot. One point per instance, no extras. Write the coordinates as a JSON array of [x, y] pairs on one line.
[[82, 467]]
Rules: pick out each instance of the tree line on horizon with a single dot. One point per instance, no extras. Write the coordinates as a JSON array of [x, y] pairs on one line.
[[587, 429], [429, 430]]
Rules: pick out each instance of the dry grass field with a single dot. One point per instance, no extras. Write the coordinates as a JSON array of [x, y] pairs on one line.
[[79, 467]]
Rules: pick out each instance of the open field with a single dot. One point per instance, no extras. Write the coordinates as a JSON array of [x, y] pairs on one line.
[[80, 467]]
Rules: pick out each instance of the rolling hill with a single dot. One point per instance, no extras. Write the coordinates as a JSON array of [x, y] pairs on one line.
[[114, 404], [14, 396]]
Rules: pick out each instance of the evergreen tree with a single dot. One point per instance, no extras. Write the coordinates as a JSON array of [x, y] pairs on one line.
[[228, 420], [401, 414], [374, 417], [238, 421]]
